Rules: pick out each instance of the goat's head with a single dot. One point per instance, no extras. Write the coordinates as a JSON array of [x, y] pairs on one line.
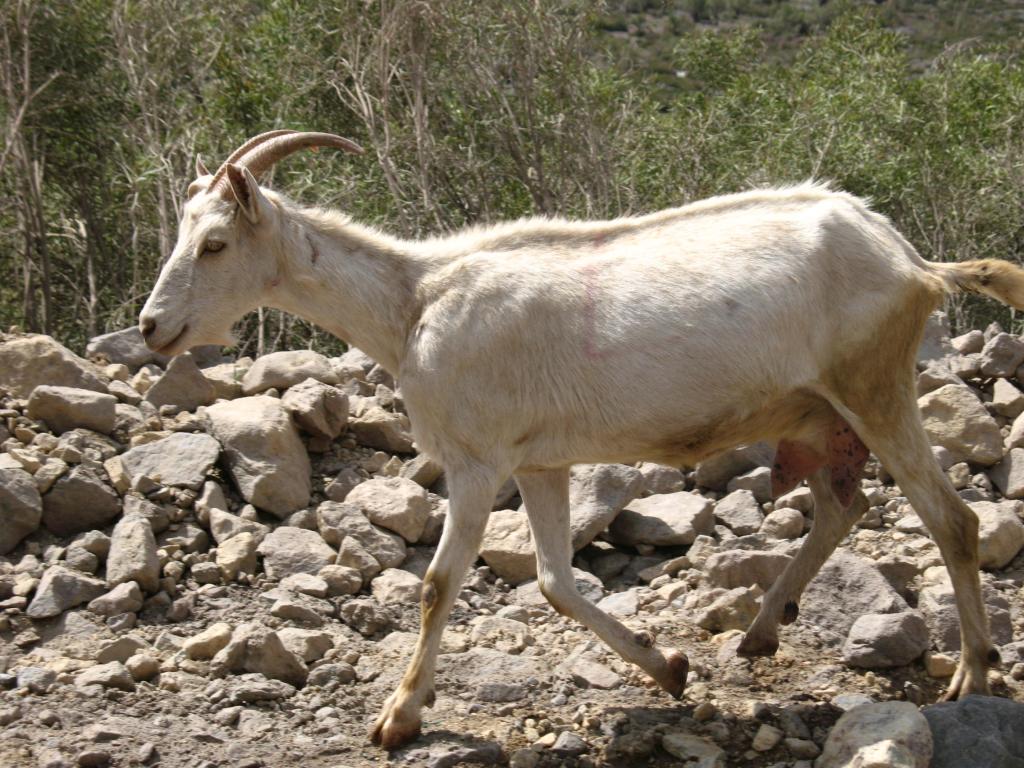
[[229, 250]]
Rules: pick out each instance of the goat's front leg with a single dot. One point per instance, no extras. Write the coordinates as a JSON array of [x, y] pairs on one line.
[[546, 495], [471, 496], [780, 605]]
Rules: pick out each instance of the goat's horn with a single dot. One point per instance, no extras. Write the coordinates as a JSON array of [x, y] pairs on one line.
[[262, 157], [239, 153]]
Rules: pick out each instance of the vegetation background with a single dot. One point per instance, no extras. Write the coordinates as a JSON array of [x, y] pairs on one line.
[[484, 110]]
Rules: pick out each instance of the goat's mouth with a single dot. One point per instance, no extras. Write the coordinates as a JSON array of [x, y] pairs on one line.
[[168, 348]]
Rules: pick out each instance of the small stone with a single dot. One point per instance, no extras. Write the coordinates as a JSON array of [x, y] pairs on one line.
[[113, 674], [785, 523], [394, 503], [766, 738], [591, 674], [740, 512], [698, 751], [121, 649], [182, 385], [207, 643], [397, 586], [237, 556], [886, 640], [61, 588], [341, 580], [21, 508], [124, 598], [143, 666], [287, 550]]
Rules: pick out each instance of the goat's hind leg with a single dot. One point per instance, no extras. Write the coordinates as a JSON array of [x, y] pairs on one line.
[[472, 494], [546, 495]]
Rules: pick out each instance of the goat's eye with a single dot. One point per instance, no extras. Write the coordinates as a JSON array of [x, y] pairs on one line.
[[213, 246]]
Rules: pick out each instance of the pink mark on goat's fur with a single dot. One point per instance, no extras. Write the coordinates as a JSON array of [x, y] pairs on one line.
[[591, 275]]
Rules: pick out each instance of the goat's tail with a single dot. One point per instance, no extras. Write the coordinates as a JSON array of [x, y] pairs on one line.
[[999, 279]]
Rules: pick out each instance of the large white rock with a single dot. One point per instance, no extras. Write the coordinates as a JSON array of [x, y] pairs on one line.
[[890, 734], [181, 459], [1008, 474], [597, 494], [383, 430], [320, 409], [397, 586], [955, 418], [61, 588], [345, 526], [882, 640], [394, 503], [29, 361], [740, 512], [666, 520], [65, 408], [507, 546], [287, 550], [1000, 532], [183, 385], [284, 369], [266, 457], [79, 501]]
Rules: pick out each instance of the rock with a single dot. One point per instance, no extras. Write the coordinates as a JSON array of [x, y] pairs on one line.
[[317, 408], [422, 470], [659, 478], [568, 744], [766, 738], [207, 643], [281, 370], [133, 554], [883, 640], [591, 674], [364, 615], [744, 568], [716, 472], [113, 674], [846, 587], [696, 751], [891, 734], [287, 550], [326, 674], [340, 521], [394, 503], [306, 584], [597, 494], [143, 666], [265, 456], [671, 519], [237, 555], [383, 430], [79, 501], [1001, 356], [939, 665], [126, 347], [224, 526], [977, 731], [736, 609], [621, 603], [1008, 474], [1000, 531], [121, 649], [397, 586], [182, 459], [36, 679], [341, 580], [587, 584], [1007, 400], [758, 481], [969, 343], [66, 408], [505, 634], [33, 360], [124, 598], [783, 523], [183, 385], [308, 644], [253, 648], [227, 378], [955, 418], [61, 588], [21, 508], [937, 604], [935, 343], [740, 512], [507, 546]]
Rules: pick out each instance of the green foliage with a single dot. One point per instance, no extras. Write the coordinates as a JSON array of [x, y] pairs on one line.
[[479, 112]]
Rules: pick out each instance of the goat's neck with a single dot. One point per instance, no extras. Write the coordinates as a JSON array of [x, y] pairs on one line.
[[355, 283]]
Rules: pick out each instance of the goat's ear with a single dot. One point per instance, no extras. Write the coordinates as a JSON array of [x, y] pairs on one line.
[[201, 169], [246, 190]]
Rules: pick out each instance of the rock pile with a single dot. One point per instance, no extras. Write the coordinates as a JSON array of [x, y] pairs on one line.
[[251, 536]]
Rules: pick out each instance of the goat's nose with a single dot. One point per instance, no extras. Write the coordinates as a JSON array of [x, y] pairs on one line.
[[147, 325]]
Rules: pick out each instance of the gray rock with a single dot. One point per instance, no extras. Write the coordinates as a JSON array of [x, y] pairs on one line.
[[66, 408], [507, 546], [227, 378], [79, 501], [935, 342], [317, 408], [937, 604], [32, 360], [21, 508], [698, 751], [383, 430], [237, 555], [1000, 532], [182, 459], [124, 598], [668, 520], [740, 512], [365, 616], [758, 481], [254, 648], [785, 523], [846, 587], [587, 584], [224, 526], [1001, 356], [36, 679], [597, 494], [1007, 400], [977, 731], [126, 347], [744, 568], [265, 455], [121, 649], [326, 674], [281, 370], [955, 418], [659, 478], [882, 640], [183, 385], [394, 503], [341, 580], [133, 555], [340, 521], [891, 734], [61, 588], [736, 609], [422, 470], [716, 472], [288, 550], [308, 644], [397, 586], [970, 342]]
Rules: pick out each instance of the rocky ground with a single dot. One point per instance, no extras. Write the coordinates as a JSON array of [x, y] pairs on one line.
[[207, 562]]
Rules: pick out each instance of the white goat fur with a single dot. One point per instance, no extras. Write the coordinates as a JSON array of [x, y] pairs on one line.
[[524, 348]]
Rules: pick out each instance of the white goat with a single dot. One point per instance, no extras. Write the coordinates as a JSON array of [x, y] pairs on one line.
[[785, 314]]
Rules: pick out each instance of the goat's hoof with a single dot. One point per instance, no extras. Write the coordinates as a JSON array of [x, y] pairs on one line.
[[393, 730], [965, 683], [677, 668], [752, 646]]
